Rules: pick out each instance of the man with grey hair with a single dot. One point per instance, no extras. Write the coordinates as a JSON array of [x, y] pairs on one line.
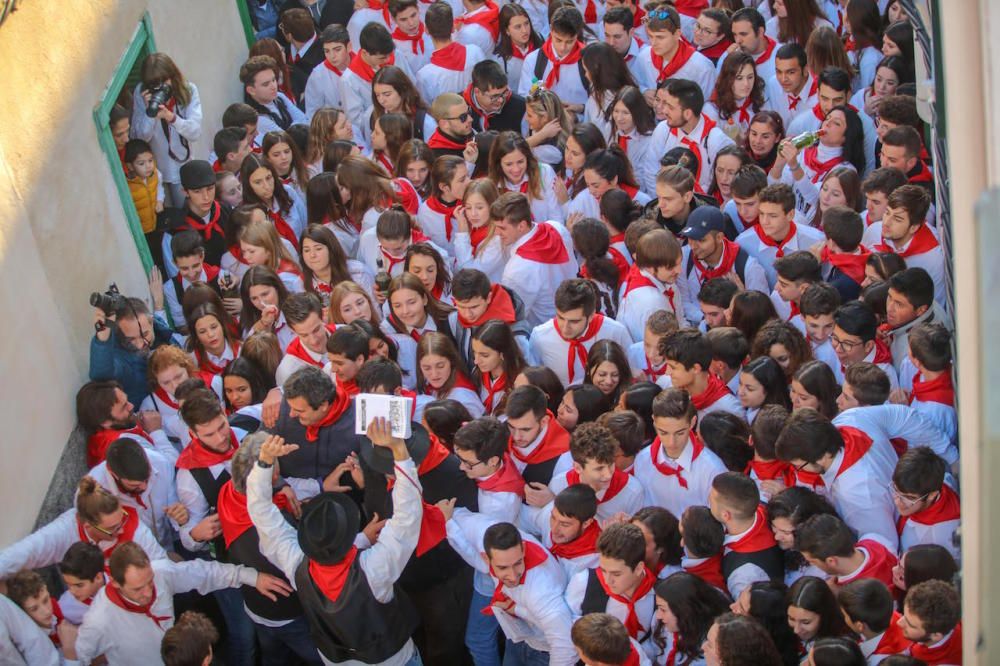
[[281, 627]]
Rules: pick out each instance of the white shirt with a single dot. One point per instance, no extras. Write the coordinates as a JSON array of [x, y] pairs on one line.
[[887, 368], [698, 68], [666, 491], [490, 258], [432, 79], [931, 261], [628, 499], [362, 17], [22, 642], [125, 637], [776, 99], [640, 302], [549, 348], [546, 206], [861, 496], [436, 227], [569, 87], [804, 238], [473, 34], [173, 425], [747, 573], [404, 49], [890, 421], [940, 533], [593, 112], [265, 123], [708, 143], [511, 67], [536, 282], [322, 89], [289, 364], [941, 415], [645, 607], [186, 125], [536, 522], [690, 281], [808, 122], [638, 147]]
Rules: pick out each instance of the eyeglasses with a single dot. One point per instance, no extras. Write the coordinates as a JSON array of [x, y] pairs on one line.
[[462, 117], [496, 97], [462, 462], [906, 501], [698, 27], [846, 345], [799, 468], [114, 530]]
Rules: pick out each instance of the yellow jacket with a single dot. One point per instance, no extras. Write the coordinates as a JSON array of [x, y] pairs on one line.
[[144, 195]]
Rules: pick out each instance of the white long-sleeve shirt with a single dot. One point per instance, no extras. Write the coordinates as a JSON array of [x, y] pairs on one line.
[[490, 259], [810, 122], [125, 637], [889, 421], [49, 544], [433, 79], [160, 493], [698, 68], [777, 100], [750, 240], [638, 303], [22, 642], [536, 282], [549, 348], [709, 143], [569, 87], [861, 496], [186, 125], [382, 563], [645, 608], [666, 491], [629, 499], [690, 281]]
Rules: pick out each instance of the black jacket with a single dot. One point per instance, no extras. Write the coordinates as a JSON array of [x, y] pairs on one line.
[[301, 70]]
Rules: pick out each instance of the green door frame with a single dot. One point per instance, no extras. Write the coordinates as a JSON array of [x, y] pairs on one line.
[[248, 31], [141, 45]]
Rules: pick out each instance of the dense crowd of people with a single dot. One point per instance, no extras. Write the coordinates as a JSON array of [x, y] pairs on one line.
[[660, 283]]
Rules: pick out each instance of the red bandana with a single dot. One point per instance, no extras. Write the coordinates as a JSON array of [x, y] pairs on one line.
[[444, 210], [206, 364], [534, 555], [856, 445], [939, 390], [921, 174], [695, 146], [545, 246], [330, 578], [57, 617], [350, 387], [710, 571], [576, 346], [618, 481], [500, 307], [297, 349], [878, 564], [115, 597], [645, 585], [493, 387], [585, 544], [717, 50], [681, 56], [364, 70], [819, 169], [196, 455], [636, 280], [440, 141], [477, 235], [691, 7], [770, 242], [391, 260], [505, 480], [233, 513], [488, 17], [384, 160], [714, 391], [98, 443], [945, 508], [333, 69], [851, 265], [669, 470], [451, 57], [729, 252], [283, 228], [766, 55], [556, 63], [416, 41], [772, 470], [759, 537], [432, 521], [922, 241], [893, 641], [127, 533], [623, 140], [652, 374], [950, 652], [206, 228], [341, 401], [554, 443], [516, 52]]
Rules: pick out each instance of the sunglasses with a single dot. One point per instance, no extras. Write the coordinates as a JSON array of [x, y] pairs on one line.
[[462, 117], [114, 530]]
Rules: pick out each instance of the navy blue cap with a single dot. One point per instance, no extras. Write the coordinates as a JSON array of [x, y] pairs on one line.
[[704, 220]]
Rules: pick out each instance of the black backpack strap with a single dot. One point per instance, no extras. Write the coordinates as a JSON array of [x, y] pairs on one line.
[[741, 265], [541, 62], [595, 599], [418, 124]]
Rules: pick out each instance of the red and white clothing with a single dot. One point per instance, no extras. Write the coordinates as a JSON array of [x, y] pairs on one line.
[[356, 86], [323, 88], [935, 399], [765, 249], [642, 295], [546, 206], [923, 251], [297, 356], [568, 358], [513, 66], [891, 641], [946, 652], [449, 70], [790, 106], [623, 495], [173, 299], [376, 12], [878, 562], [894, 428], [637, 612], [539, 262], [880, 356], [709, 569], [437, 220], [98, 443], [370, 252], [705, 141], [936, 524], [694, 273], [636, 146], [677, 484], [561, 75], [642, 368], [756, 538], [416, 49], [686, 63], [198, 456], [551, 442], [539, 615], [501, 494], [127, 633], [810, 122], [473, 250], [465, 393], [716, 397], [632, 57], [479, 27], [770, 470], [160, 493], [579, 554], [763, 62]]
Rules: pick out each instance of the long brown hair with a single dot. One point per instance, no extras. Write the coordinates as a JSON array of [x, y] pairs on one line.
[[299, 171], [208, 310], [497, 335], [439, 344], [321, 132], [338, 260], [505, 144], [269, 46], [159, 67], [436, 310], [258, 276], [323, 204], [398, 130], [825, 49], [415, 150], [797, 27], [369, 184], [251, 163], [398, 80], [487, 189], [725, 100]]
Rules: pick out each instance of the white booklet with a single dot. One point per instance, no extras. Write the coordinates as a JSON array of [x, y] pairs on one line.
[[397, 409]]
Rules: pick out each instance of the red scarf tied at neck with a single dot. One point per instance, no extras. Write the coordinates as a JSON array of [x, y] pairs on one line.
[[556, 62], [487, 16], [714, 391], [197, 456], [632, 623], [770, 242], [940, 390], [451, 57], [364, 70], [851, 265], [729, 252], [666, 70], [500, 307], [577, 350], [534, 555], [545, 246], [583, 545], [341, 401], [416, 41], [447, 211], [115, 597]]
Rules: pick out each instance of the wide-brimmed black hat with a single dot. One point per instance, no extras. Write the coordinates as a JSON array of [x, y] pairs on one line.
[[379, 458], [329, 523]]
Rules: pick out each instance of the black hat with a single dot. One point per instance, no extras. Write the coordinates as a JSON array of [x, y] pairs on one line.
[[379, 458], [702, 221], [329, 523], [197, 174]]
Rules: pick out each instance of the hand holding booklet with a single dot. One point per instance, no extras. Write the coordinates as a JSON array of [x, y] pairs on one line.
[[395, 408]]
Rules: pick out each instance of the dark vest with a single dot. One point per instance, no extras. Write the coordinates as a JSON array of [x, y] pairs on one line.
[[595, 599], [740, 266], [356, 626], [315, 460], [210, 487], [771, 560], [508, 119], [540, 472], [215, 246], [245, 550]]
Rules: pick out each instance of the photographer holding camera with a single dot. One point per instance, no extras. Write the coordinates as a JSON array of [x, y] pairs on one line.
[[126, 333], [166, 112]]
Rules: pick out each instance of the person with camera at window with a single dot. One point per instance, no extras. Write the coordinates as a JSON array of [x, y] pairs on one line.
[[166, 112]]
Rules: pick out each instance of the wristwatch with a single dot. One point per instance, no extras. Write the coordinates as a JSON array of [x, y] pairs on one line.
[[264, 465]]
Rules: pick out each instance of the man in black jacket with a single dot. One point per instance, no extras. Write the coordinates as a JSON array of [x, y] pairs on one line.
[[304, 52], [493, 104]]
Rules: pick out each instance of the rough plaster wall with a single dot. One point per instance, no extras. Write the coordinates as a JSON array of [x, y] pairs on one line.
[[62, 230]]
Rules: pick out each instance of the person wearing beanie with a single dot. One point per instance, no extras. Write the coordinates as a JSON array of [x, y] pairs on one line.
[[201, 213]]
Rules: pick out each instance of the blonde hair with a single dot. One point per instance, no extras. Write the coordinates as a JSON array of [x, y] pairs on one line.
[[443, 102], [321, 132], [263, 234], [264, 350], [487, 189], [93, 501], [341, 291], [167, 356]]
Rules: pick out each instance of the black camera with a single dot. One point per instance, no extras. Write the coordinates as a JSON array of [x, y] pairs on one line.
[[159, 95], [110, 301]]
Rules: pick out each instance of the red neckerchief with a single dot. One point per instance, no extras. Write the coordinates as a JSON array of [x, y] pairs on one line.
[[940, 390], [668, 470], [98, 443], [500, 307], [534, 555], [364, 70], [770, 242], [695, 146], [283, 228], [470, 100], [350, 387], [806, 479], [206, 364], [743, 113], [393, 261], [634, 279], [945, 508], [618, 481], [920, 174], [545, 246], [321, 286], [710, 571], [493, 387], [576, 346], [233, 514], [488, 16], [206, 228], [451, 57], [340, 403], [57, 617], [717, 50], [115, 597], [522, 188], [416, 41], [922, 241], [772, 470], [632, 623], [949, 652], [196, 455], [216, 167], [432, 521], [759, 537], [410, 200], [690, 7], [384, 8], [652, 374], [768, 50], [681, 57], [127, 533], [237, 253], [330, 578], [793, 100], [585, 544], [893, 641], [621, 263], [715, 390], [505, 480], [553, 444], [438, 140], [461, 381], [516, 52], [851, 265], [878, 564], [336, 70], [729, 252], [384, 160], [571, 59], [819, 169], [444, 210], [296, 349], [633, 657], [623, 140], [856, 445]]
